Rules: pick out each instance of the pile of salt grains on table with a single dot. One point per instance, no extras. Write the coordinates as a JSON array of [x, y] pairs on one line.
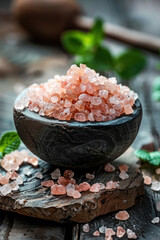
[[66, 185]]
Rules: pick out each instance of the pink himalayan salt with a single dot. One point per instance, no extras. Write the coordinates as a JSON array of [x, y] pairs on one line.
[[39, 175], [90, 176], [14, 175], [123, 175], [147, 180], [19, 180], [120, 232], [77, 95], [109, 168], [157, 171], [131, 234], [68, 174], [122, 215], [4, 180], [111, 185], [64, 181], [109, 232], [58, 190], [123, 167], [33, 161], [95, 187], [96, 233], [83, 187], [14, 186], [102, 186], [73, 193], [85, 227], [48, 183], [56, 174], [5, 190]]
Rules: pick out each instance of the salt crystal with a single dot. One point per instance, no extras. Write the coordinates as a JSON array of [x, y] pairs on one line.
[[131, 234], [155, 186], [14, 175], [120, 232], [123, 175], [102, 229], [86, 227], [96, 233], [123, 167], [158, 171], [90, 176], [155, 220], [5, 190], [76, 194], [109, 232], [19, 180], [83, 187], [48, 183], [102, 186], [14, 186], [65, 181], [95, 187], [111, 185], [39, 175], [68, 174], [4, 180], [33, 161], [58, 190], [27, 172], [147, 180], [56, 174], [109, 167], [122, 215]]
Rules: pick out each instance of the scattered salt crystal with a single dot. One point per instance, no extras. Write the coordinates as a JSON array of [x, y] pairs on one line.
[[122, 215], [68, 174], [76, 194], [33, 161], [147, 180], [27, 172], [155, 220], [111, 185], [123, 175], [65, 181], [70, 185], [131, 234], [109, 167], [158, 171], [58, 190], [102, 229], [120, 232], [5, 190], [4, 180], [95, 187], [83, 187], [14, 186], [102, 186], [19, 180], [155, 186], [86, 227], [96, 233], [90, 176], [109, 232], [56, 174], [48, 183], [123, 167], [39, 175]]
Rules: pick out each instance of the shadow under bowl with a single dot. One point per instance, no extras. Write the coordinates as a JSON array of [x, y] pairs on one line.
[[73, 144]]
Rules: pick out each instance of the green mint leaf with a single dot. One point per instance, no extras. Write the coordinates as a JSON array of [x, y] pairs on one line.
[[76, 42], [154, 158], [129, 64], [142, 154], [9, 142], [1, 155], [100, 60], [97, 32]]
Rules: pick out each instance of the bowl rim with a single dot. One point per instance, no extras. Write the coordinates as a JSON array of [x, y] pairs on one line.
[[72, 123]]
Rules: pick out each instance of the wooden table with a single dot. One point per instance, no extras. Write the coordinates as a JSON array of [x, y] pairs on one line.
[[40, 64]]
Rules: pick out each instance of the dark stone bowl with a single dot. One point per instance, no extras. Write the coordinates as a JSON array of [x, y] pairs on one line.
[[73, 144]]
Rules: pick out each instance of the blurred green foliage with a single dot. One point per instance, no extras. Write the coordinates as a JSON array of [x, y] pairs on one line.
[[88, 48]]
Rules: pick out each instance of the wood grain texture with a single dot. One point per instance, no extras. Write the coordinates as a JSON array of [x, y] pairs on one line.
[[72, 144], [35, 201]]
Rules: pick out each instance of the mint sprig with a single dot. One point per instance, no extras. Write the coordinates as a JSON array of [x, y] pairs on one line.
[[152, 158], [88, 48], [9, 142]]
